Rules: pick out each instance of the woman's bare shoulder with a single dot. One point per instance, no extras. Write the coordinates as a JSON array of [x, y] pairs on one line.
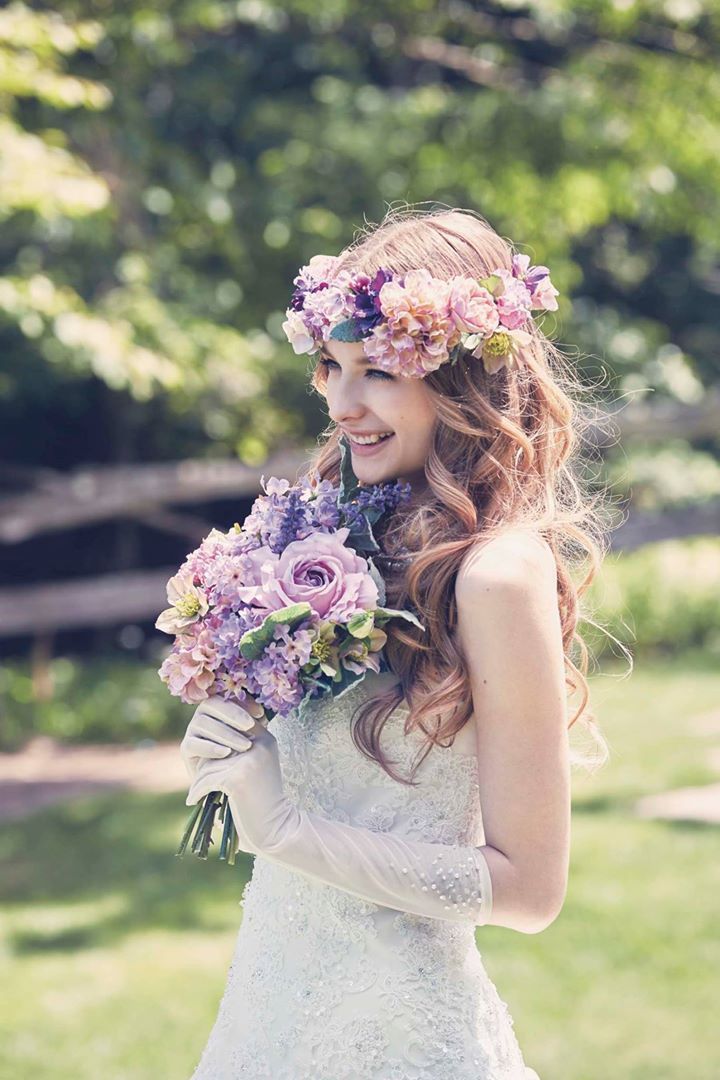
[[517, 556]]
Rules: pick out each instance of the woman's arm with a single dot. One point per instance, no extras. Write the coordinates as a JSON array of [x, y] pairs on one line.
[[509, 633]]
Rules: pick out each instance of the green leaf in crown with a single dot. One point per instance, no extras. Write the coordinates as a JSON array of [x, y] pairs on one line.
[[348, 330], [492, 283]]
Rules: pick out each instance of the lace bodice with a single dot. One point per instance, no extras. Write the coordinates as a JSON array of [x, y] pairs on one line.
[[324, 985], [323, 771]]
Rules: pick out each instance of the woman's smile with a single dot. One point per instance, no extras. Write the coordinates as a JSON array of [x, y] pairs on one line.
[[365, 449]]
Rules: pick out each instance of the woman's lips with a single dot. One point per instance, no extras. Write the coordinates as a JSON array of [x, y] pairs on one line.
[[369, 448]]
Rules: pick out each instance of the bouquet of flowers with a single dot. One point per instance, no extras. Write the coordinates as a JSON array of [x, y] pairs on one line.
[[280, 609]]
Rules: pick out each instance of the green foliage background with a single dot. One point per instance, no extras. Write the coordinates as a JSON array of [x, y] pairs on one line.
[[167, 167]]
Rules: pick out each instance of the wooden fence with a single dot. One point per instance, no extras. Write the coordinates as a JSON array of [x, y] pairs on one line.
[[151, 494]]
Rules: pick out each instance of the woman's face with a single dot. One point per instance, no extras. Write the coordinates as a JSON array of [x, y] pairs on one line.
[[364, 400]]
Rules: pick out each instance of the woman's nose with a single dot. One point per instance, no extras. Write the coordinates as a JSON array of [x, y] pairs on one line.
[[344, 403]]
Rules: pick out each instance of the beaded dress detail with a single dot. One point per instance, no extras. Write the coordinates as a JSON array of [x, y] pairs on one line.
[[324, 985]]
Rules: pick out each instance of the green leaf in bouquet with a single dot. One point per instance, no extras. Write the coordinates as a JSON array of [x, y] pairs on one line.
[[378, 579], [383, 614], [360, 625], [254, 642], [361, 536], [349, 482], [344, 681]]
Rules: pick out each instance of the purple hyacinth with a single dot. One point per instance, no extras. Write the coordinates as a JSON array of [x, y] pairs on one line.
[[293, 522], [378, 497]]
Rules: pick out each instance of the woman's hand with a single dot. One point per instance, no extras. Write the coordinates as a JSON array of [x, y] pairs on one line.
[[217, 728], [226, 749]]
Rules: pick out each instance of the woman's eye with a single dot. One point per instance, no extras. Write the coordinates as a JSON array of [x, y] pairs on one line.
[[329, 364]]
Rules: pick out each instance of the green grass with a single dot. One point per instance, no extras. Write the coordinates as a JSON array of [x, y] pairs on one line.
[[115, 952]]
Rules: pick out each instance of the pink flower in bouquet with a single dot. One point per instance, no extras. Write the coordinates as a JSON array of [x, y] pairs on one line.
[[189, 670], [319, 570], [187, 604]]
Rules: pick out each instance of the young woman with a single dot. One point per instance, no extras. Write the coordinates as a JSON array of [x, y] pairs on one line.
[[434, 797]]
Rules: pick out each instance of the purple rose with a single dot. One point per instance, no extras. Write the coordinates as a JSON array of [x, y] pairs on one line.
[[319, 570]]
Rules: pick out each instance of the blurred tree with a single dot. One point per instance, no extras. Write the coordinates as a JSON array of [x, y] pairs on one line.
[[169, 165]]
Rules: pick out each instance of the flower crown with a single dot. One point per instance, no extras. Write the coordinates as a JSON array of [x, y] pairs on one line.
[[412, 323]]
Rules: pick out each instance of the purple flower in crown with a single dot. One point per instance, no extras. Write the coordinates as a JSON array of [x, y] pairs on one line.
[[537, 280], [368, 309], [313, 277], [318, 302]]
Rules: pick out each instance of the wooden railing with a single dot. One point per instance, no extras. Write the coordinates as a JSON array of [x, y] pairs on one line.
[[150, 493]]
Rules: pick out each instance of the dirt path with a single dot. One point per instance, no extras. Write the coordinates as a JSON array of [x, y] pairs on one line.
[[683, 804], [46, 772], [700, 803]]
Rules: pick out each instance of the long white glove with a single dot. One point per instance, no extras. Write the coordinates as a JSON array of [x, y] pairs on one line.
[[443, 881]]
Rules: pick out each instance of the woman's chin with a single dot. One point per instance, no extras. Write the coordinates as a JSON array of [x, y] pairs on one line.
[[372, 472]]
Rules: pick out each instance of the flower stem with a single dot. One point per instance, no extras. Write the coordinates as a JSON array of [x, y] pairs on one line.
[[203, 837], [188, 830], [226, 818]]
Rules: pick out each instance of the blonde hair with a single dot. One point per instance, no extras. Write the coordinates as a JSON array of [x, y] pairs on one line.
[[503, 454]]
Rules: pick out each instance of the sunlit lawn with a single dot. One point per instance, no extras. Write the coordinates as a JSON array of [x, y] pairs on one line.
[[115, 953]]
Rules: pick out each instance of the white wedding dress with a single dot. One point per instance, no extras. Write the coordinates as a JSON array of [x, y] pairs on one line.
[[326, 986]]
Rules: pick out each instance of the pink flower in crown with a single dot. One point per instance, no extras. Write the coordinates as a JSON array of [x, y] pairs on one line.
[[513, 300], [502, 349], [320, 267], [317, 302], [328, 306], [297, 333], [544, 296], [418, 329], [472, 307]]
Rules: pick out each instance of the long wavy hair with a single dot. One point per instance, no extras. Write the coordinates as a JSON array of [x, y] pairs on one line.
[[505, 452]]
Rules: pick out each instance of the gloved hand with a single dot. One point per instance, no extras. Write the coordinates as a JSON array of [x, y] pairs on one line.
[[443, 881], [214, 732], [215, 749]]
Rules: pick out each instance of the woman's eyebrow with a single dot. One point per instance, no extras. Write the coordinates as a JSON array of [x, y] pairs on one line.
[[358, 359]]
